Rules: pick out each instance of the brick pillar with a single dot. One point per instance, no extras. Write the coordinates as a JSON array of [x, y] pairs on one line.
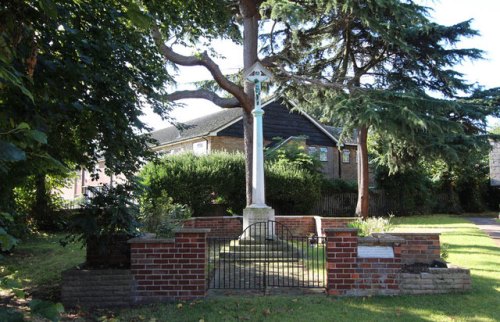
[[341, 258], [170, 269]]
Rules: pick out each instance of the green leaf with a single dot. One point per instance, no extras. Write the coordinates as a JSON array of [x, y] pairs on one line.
[[138, 17], [46, 309], [38, 136], [23, 126], [11, 153], [49, 7]]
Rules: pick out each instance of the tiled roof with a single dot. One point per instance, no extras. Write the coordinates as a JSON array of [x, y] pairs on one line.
[[198, 127], [337, 131]]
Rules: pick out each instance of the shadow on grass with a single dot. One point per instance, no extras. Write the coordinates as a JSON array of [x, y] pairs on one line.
[[459, 306]]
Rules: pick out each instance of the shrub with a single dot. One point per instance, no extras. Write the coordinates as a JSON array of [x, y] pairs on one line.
[[329, 186], [372, 225], [105, 223], [219, 178], [161, 216]]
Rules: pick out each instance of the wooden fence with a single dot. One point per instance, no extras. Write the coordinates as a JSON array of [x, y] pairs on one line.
[[344, 204]]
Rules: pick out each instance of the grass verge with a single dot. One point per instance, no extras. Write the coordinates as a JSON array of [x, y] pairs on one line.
[[37, 264]]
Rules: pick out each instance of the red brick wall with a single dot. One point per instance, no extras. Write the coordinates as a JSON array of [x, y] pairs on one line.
[[219, 226], [170, 269], [335, 222], [341, 254], [419, 247], [348, 274], [299, 226]]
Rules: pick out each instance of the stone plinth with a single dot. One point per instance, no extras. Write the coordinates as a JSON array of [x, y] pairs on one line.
[[257, 214]]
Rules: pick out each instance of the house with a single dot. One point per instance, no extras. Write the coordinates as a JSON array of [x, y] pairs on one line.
[[223, 131], [495, 164]]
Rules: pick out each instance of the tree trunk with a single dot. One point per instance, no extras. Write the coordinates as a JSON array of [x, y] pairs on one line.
[[41, 210], [363, 179], [250, 33]]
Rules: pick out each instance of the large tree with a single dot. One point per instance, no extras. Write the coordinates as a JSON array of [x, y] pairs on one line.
[[74, 78], [370, 65]]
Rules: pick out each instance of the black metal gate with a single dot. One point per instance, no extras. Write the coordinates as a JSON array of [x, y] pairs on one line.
[[266, 255]]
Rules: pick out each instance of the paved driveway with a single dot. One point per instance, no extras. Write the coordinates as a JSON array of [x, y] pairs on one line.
[[490, 226]]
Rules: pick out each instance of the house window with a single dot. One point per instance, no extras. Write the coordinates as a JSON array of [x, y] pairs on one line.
[[312, 150], [200, 148], [323, 154], [346, 156]]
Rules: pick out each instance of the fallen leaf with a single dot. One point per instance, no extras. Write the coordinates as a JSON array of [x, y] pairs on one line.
[[179, 306], [201, 320], [266, 312], [294, 300]]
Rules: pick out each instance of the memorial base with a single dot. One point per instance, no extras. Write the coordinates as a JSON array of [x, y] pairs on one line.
[[260, 219]]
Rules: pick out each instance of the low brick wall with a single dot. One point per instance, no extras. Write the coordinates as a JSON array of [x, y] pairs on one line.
[[97, 288], [232, 226], [335, 222], [350, 274], [299, 226], [419, 247], [170, 269], [226, 226], [436, 281]]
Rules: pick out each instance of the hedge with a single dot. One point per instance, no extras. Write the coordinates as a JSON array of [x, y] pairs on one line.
[[219, 178]]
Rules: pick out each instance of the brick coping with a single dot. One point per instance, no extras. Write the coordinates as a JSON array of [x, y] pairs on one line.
[[415, 234], [302, 216], [151, 240], [336, 230]]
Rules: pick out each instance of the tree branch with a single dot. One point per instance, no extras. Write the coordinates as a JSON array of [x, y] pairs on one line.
[[205, 94], [203, 60]]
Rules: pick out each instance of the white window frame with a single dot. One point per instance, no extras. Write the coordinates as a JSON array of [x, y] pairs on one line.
[[346, 156], [323, 154], [200, 148]]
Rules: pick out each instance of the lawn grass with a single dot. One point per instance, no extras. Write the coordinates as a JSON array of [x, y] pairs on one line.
[[469, 247], [38, 262]]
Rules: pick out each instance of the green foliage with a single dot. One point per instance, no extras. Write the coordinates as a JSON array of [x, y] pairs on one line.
[[48, 310], [371, 225], [293, 152], [329, 186], [290, 187], [7, 241], [197, 181], [161, 216], [445, 251], [111, 212], [200, 181], [412, 189]]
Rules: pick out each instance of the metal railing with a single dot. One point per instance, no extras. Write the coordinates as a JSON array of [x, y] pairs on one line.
[[266, 255]]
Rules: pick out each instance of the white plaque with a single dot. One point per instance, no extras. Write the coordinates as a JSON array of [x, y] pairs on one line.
[[375, 252]]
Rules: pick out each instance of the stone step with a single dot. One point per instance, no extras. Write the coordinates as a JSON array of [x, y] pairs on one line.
[[269, 255], [262, 248]]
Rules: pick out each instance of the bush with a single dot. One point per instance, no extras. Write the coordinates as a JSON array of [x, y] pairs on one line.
[[329, 186], [161, 216], [105, 223], [219, 178], [372, 225], [412, 189]]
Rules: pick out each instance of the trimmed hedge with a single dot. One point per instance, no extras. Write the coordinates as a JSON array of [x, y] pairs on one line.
[[219, 178]]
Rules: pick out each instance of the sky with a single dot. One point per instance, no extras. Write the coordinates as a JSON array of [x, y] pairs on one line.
[[447, 12]]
